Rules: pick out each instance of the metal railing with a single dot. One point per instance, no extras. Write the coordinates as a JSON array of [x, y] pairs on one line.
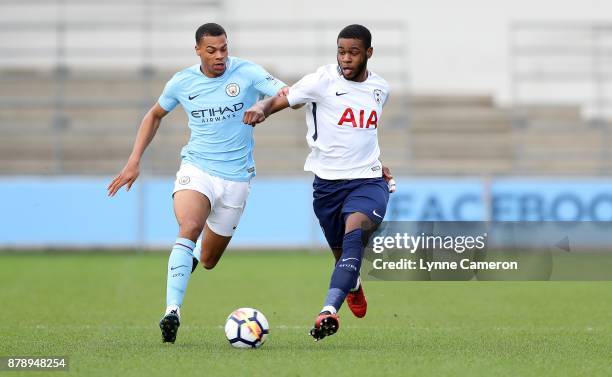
[[564, 64], [48, 46]]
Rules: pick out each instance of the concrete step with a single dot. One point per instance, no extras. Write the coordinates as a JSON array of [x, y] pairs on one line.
[[449, 100], [453, 166], [554, 166], [549, 113]]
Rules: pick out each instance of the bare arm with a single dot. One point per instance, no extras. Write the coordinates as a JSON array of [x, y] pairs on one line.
[[148, 127], [263, 109]]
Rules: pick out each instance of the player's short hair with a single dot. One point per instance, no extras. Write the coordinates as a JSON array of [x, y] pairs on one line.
[[356, 31], [211, 29]]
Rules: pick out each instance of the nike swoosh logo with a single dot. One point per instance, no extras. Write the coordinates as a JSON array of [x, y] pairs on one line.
[[174, 268], [376, 214], [345, 259], [192, 97], [341, 94]]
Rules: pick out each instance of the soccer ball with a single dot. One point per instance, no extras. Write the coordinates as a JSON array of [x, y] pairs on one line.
[[246, 328]]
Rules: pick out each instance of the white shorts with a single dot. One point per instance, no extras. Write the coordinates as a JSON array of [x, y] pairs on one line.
[[227, 198]]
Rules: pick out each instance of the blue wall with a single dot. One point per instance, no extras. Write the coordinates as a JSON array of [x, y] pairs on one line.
[[67, 211], [510, 199]]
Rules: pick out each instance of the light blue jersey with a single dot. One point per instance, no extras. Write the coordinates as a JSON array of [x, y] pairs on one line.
[[220, 144]]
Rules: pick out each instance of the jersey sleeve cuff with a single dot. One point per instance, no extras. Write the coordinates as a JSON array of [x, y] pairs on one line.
[[292, 100], [165, 105]]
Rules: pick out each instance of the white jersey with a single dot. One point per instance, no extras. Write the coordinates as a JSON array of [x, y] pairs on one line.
[[342, 118]]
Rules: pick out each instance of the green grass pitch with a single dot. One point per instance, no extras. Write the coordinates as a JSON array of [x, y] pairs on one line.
[[102, 312]]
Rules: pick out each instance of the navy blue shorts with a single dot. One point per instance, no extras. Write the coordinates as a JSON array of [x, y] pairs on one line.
[[334, 200]]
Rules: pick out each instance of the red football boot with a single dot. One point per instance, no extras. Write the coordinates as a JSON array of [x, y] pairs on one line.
[[325, 324], [357, 302]]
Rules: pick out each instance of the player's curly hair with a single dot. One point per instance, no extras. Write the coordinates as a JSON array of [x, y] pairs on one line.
[[211, 29], [356, 31]]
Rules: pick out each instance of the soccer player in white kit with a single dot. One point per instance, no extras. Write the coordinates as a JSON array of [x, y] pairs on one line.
[[344, 106]]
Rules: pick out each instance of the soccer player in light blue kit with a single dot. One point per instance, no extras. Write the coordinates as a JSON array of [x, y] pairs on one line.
[[217, 165]]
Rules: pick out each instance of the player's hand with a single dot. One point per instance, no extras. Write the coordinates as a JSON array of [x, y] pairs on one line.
[[127, 176], [386, 173], [283, 92], [389, 178], [253, 116]]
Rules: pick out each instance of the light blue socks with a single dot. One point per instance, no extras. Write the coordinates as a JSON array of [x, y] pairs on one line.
[[180, 264]]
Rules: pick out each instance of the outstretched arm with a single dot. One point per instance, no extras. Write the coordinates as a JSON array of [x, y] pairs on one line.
[[263, 109], [148, 127], [304, 91]]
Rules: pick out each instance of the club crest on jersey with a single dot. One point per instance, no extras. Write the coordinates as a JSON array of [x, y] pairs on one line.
[[232, 89], [378, 95]]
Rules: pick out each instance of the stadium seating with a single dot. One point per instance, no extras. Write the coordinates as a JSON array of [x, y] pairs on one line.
[[85, 122]]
